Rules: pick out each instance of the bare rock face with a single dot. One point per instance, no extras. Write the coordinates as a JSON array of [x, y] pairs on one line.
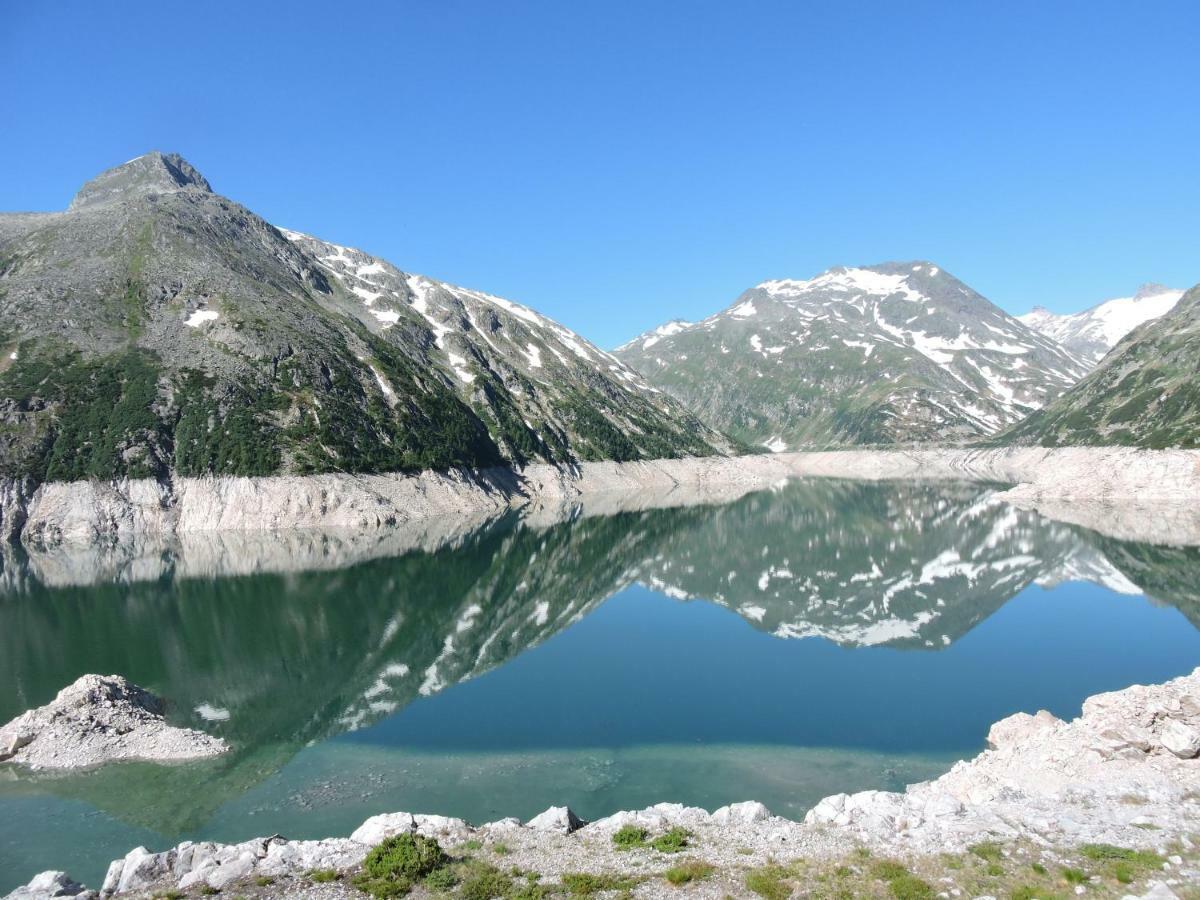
[[1127, 762], [97, 719]]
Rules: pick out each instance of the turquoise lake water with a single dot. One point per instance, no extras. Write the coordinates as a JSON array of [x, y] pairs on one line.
[[817, 638]]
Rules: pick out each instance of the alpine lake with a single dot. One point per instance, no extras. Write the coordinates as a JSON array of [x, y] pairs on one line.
[[819, 637]]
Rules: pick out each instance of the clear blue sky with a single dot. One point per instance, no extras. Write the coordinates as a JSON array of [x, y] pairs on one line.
[[617, 164]]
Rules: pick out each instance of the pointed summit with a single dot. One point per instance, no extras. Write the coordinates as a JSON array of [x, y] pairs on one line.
[[153, 173], [1153, 289]]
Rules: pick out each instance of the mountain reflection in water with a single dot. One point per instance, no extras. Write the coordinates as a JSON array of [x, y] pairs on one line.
[[282, 642]]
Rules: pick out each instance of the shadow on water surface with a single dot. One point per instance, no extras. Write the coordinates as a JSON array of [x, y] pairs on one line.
[[328, 660]]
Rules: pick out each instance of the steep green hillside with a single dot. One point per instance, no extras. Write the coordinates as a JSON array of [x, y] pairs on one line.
[[156, 326]]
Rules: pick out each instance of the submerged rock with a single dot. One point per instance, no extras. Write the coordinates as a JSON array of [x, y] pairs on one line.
[[97, 719]]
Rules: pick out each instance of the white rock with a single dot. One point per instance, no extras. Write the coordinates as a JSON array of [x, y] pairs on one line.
[[376, 828], [1155, 890], [50, 884], [143, 868], [558, 819], [1181, 739], [744, 813], [506, 824]]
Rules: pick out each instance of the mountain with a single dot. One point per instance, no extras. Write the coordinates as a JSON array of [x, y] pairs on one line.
[[1092, 333], [894, 353], [1145, 392], [156, 326]]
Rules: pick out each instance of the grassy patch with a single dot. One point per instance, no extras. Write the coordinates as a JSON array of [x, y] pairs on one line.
[[688, 871], [584, 884], [769, 882], [910, 887], [888, 870], [629, 837], [988, 850], [1122, 863], [672, 841], [483, 882], [323, 876], [1072, 876]]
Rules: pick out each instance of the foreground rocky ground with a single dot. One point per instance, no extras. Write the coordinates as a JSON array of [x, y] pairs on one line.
[[1105, 805]]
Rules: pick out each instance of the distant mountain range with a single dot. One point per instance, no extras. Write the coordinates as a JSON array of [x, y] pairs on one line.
[[1092, 333], [157, 326], [893, 353], [1145, 392]]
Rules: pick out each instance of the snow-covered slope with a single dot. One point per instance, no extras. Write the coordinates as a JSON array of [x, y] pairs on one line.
[[891, 353], [1092, 333]]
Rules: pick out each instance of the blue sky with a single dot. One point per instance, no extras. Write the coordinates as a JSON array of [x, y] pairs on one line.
[[618, 164]]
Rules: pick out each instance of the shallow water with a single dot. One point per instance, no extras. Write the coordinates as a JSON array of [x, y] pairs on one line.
[[822, 637]]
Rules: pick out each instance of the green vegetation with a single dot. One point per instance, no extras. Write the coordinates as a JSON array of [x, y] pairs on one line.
[[628, 837], [1071, 876], [584, 884], [98, 414], [323, 876], [888, 869], [988, 850], [392, 867], [688, 871], [909, 887], [769, 882], [483, 882], [631, 837], [673, 841], [441, 880]]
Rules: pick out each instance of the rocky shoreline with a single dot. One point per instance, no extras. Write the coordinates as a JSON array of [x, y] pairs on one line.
[[1116, 790], [1136, 485]]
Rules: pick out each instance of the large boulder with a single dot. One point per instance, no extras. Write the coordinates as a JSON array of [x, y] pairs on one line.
[[557, 819], [48, 885]]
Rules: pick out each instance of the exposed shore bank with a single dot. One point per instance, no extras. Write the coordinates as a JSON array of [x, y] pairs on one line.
[[1113, 796], [1152, 491]]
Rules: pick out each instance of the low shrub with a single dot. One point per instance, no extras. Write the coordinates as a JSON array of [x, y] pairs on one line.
[[323, 876], [910, 887], [628, 837], [888, 869], [483, 882], [672, 841]]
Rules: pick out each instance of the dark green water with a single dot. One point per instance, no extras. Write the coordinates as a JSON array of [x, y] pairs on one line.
[[823, 637]]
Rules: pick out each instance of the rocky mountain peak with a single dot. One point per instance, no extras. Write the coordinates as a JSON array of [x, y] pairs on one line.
[[1151, 289], [153, 173]]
